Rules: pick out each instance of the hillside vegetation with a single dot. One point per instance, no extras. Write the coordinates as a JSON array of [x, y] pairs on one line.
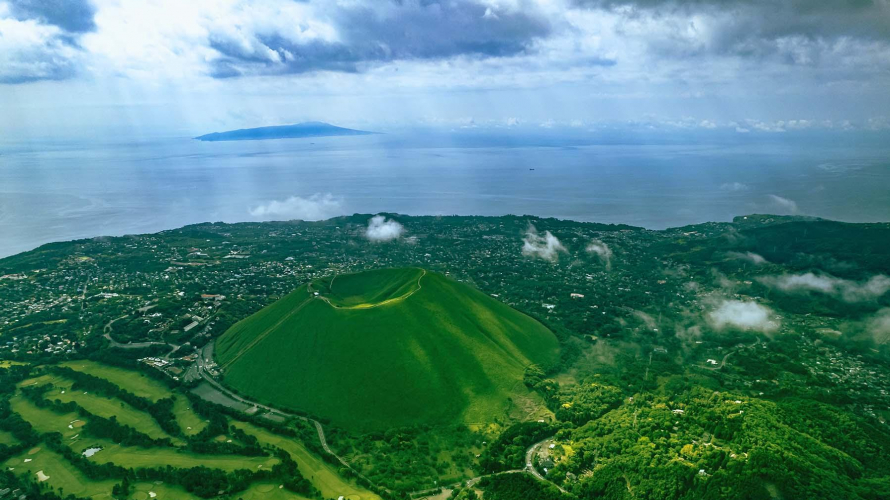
[[387, 348]]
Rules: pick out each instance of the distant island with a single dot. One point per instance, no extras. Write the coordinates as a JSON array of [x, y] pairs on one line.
[[299, 130]]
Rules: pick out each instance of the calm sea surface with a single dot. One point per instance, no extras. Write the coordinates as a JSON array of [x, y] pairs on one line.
[[52, 192]]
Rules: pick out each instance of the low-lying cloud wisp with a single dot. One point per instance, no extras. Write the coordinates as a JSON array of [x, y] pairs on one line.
[[784, 204], [845, 290], [747, 256], [546, 247], [601, 250], [382, 229], [316, 207], [742, 315]]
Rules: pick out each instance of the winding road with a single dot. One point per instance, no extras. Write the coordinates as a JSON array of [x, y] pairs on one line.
[[730, 353], [131, 345]]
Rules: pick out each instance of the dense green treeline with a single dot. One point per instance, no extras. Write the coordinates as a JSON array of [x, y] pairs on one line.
[[707, 444], [519, 487]]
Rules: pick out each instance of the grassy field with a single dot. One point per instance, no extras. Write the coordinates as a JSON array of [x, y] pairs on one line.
[[66, 479], [107, 408], [62, 475], [270, 491], [138, 383], [369, 288], [7, 438], [320, 473], [190, 422], [129, 456], [443, 354], [143, 491], [44, 420], [142, 386]]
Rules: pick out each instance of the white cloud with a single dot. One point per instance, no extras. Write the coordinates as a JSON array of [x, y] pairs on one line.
[[784, 204], [846, 290], [33, 51], [601, 250], [742, 315], [535, 60], [734, 187], [382, 229], [707, 124], [316, 207], [749, 256], [878, 326], [546, 247]]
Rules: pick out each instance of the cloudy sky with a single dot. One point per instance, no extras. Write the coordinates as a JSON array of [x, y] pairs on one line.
[[170, 67]]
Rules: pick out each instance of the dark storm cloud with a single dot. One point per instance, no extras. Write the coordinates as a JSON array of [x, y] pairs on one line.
[[771, 19], [50, 48], [74, 16], [434, 29], [387, 31], [43, 67]]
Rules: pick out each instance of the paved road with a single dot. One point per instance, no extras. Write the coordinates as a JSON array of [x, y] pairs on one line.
[[529, 469], [730, 353], [131, 345], [530, 464]]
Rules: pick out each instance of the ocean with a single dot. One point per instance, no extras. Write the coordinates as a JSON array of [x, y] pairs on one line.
[[61, 191]]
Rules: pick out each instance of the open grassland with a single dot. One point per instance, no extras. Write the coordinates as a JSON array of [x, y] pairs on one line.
[[371, 288], [62, 475], [44, 420], [190, 422], [445, 353], [321, 474], [134, 457], [7, 438], [143, 491], [107, 408], [133, 381], [270, 491], [40, 380], [66, 479], [142, 386]]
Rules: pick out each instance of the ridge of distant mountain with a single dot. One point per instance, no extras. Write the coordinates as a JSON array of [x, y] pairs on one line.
[[295, 131]]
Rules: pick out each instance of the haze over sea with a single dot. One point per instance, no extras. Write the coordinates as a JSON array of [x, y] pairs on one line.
[[56, 191]]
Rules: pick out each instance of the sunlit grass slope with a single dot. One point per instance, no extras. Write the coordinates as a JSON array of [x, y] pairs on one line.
[[386, 348]]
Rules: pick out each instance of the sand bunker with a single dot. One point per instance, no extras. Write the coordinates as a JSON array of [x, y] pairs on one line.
[[41, 476]]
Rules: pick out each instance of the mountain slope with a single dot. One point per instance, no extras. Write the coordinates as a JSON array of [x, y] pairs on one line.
[[384, 349], [299, 130]]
